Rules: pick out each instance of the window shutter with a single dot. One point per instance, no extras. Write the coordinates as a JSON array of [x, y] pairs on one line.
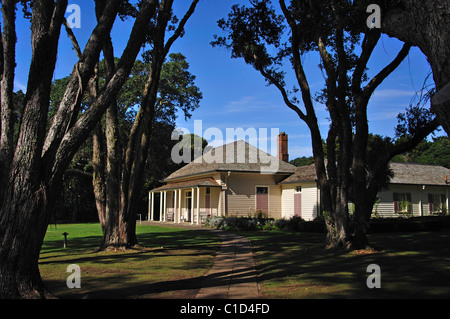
[[430, 203], [396, 203]]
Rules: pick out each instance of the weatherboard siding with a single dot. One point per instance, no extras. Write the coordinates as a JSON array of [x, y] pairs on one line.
[[419, 199], [309, 204]]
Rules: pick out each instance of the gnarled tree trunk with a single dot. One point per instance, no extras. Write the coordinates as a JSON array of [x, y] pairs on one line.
[[426, 24], [37, 167]]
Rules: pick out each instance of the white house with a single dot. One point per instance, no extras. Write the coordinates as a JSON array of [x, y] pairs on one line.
[[234, 180]]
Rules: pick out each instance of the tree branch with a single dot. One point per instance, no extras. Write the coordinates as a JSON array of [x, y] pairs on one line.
[[370, 41], [419, 135], [283, 92], [73, 39], [180, 27], [380, 77], [85, 124], [298, 66], [84, 69]]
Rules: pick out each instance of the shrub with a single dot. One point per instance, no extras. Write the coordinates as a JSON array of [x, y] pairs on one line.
[[384, 225], [214, 222], [241, 223], [298, 224]]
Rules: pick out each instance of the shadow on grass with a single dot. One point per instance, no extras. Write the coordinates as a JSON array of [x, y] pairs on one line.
[[172, 262], [290, 265], [413, 265]]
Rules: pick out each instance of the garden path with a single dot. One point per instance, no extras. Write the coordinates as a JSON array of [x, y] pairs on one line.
[[233, 274]]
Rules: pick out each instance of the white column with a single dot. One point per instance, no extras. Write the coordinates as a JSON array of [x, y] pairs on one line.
[[419, 194], [160, 204], [179, 206], [446, 203], [163, 217], [175, 205], [198, 205], [192, 205], [151, 204]]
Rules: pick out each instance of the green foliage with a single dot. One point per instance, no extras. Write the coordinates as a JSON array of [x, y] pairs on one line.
[[253, 32], [436, 152], [241, 223], [302, 161], [405, 208]]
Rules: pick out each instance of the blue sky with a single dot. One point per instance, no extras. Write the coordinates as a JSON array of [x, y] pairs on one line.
[[235, 95]]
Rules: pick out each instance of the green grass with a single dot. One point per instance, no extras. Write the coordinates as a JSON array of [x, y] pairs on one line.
[[170, 266], [295, 266], [291, 265]]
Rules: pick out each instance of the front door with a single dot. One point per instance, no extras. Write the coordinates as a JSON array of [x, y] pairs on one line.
[[262, 199]]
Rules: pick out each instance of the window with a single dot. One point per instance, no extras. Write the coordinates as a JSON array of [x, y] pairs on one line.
[[436, 203], [208, 191], [262, 190], [402, 203], [298, 189]]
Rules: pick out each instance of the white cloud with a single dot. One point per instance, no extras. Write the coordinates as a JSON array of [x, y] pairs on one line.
[[392, 94], [19, 86]]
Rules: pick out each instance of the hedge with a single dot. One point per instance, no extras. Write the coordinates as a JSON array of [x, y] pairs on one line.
[[297, 224]]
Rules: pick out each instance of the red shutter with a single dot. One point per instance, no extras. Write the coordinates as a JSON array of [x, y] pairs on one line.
[[430, 203], [396, 203]]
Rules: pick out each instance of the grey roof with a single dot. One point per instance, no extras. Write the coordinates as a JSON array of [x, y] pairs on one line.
[[418, 174], [235, 157], [411, 174], [203, 182], [302, 174]]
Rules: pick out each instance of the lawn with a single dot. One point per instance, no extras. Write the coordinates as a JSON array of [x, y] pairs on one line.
[[295, 266], [169, 267], [291, 265]]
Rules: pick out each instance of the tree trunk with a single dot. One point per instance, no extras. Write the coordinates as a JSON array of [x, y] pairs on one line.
[[8, 61], [130, 187], [426, 24], [33, 177], [98, 179], [23, 215], [19, 272], [111, 170]]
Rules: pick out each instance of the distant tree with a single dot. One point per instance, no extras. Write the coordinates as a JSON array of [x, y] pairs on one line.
[[438, 153], [302, 161]]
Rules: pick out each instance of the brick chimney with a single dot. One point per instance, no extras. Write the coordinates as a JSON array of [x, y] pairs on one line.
[[283, 154]]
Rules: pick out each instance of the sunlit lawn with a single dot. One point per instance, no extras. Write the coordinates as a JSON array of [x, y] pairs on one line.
[[295, 266], [169, 267]]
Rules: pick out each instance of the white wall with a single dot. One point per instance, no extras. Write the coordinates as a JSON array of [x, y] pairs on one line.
[[419, 198], [310, 200]]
